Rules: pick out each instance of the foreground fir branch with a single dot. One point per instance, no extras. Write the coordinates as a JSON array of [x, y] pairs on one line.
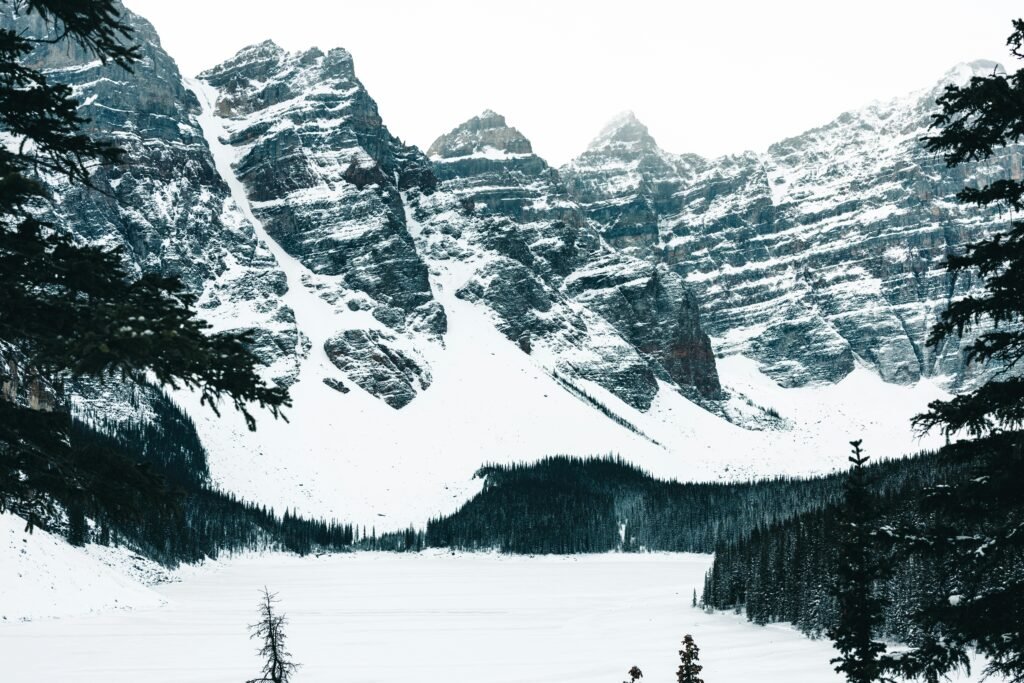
[[71, 311], [980, 521], [974, 121]]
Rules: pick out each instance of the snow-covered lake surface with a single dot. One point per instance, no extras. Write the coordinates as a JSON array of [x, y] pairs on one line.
[[429, 617]]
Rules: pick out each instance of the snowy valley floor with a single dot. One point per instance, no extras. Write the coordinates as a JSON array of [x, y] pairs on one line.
[[428, 617]]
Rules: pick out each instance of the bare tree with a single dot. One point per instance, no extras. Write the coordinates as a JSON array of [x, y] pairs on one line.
[[277, 667]]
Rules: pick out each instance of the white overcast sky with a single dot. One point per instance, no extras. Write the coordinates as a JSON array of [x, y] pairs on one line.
[[711, 77]]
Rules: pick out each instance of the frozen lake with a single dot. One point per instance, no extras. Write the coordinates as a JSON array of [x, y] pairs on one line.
[[431, 617]]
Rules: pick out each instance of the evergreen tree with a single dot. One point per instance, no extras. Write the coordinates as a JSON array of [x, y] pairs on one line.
[[277, 666], [68, 310], [859, 570], [981, 521], [635, 674], [78, 529], [690, 667]]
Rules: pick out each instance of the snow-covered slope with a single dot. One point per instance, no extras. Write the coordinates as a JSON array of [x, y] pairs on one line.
[[353, 457], [42, 576]]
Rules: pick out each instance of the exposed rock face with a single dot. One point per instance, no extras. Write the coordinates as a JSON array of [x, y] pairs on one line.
[[325, 178], [324, 175], [656, 312], [334, 189], [625, 183], [482, 137], [166, 208], [826, 249], [24, 388], [553, 285], [390, 374]]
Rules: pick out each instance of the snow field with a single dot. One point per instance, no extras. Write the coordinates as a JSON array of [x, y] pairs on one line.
[[41, 576], [385, 618]]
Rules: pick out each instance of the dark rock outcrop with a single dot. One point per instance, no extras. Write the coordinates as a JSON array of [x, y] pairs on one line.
[[373, 362], [657, 313]]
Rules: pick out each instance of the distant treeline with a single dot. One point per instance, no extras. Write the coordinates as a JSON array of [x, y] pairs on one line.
[[572, 505], [148, 488]]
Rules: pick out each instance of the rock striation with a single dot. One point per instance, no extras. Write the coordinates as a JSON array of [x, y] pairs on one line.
[[824, 251], [625, 183], [553, 284], [325, 178]]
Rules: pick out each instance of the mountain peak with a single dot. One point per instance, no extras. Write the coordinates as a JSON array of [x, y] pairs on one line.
[[487, 131], [623, 118], [491, 115], [266, 53], [962, 73], [625, 128], [265, 48]]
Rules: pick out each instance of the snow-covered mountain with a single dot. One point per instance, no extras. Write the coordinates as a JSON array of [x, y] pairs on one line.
[[824, 251], [323, 177], [583, 309], [434, 311], [625, 182]]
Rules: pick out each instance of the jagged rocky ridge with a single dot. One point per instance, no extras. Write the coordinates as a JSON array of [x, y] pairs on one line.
[[826, 250], [325, 178], [367, 215], [625, 182], [555, 287]]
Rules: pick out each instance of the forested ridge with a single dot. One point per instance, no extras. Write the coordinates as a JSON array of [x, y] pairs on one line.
[[569, 505], [145, 484], [776, 541]]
